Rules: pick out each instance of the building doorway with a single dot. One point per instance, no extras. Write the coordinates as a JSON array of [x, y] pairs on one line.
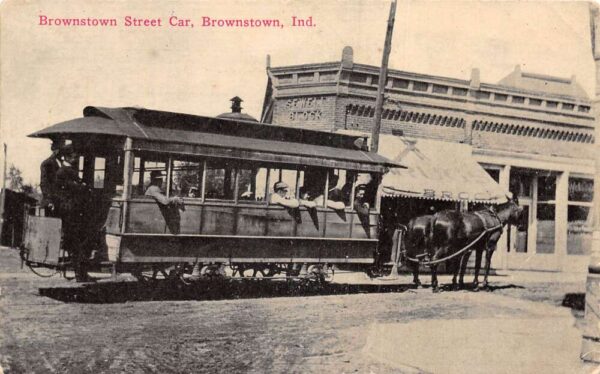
[[532, 243]]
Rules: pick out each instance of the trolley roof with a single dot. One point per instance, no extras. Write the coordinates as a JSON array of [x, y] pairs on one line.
[[161, 131]]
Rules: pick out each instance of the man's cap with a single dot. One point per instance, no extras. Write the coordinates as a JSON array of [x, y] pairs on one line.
[[156, 174], [67, 150], [56, 145], [280, 186]]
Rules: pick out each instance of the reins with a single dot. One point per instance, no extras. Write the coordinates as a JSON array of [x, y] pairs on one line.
[[433, 262]]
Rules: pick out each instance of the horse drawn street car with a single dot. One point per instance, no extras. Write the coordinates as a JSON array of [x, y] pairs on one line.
[[218, 207]]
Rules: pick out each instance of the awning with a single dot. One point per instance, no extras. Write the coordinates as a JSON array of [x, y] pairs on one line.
[[437, 170]]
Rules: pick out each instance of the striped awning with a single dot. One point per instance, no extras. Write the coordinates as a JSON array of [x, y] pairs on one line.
[[437, 170]]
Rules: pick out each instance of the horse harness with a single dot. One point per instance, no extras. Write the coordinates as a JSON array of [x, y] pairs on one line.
[[494, 215], [423, 259]]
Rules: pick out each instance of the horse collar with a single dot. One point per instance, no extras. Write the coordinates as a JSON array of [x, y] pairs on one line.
[[482, 218], [493, 214]]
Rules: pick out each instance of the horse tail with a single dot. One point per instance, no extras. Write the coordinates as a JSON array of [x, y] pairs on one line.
[[431, 231]]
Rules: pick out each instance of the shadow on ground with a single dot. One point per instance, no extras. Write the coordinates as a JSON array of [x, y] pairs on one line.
[[206, 290], [226, 289]]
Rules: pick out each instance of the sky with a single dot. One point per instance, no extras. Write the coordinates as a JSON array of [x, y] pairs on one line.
[[48, 74]]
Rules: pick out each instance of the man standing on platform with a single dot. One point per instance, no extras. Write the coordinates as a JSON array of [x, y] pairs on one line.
[[48, 170], [73, 198]]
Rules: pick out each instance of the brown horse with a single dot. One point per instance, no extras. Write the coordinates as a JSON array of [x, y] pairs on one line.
[[447, 232], [417, 241]]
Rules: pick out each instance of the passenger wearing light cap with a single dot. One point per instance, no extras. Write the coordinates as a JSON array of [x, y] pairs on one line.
[[280, 197]]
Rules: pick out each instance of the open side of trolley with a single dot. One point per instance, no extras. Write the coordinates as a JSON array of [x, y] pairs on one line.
[[224, 171]]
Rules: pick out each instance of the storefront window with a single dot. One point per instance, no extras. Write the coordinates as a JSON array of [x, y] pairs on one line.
[[522, 231], [520, 183], [546, 213], [581, 189], [546, 188], [579, 219], [545, 228]]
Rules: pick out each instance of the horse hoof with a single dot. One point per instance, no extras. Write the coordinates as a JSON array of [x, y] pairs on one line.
[[436, 290]]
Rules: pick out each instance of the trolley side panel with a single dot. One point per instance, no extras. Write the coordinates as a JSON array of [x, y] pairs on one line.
[[167, 248]]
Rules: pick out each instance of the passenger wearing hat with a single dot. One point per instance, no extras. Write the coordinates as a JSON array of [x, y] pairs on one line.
[[48, 170], [155, 190], [360, 203], [73, 203], [280, 196], [362, 207]]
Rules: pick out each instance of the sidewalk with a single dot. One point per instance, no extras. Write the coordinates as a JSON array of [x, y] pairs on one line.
[[539, 276]]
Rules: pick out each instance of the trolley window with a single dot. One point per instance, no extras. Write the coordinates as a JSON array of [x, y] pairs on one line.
[[186, 178], [99, 172], [220, 180], [143, 167]]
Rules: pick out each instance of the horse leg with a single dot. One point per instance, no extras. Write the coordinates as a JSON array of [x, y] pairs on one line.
[[456, 264], [478, 255], [454, 273], [488, 261], [464, 260], [434, 280], [415, 270]]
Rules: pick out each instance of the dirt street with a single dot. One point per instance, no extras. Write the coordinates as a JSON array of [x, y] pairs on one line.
[[303, 334]]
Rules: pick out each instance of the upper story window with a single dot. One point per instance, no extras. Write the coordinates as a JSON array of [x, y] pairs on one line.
[[500, 97], [400, 83], [483, 95], [535, 102], [420, 86], [518, 99], [584, 108], [552, 104], [440, 89], [459, 91], [568, 106]]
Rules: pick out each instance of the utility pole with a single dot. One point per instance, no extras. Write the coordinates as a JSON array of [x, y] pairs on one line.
[[4, 169], [590, 348], [383, 78]]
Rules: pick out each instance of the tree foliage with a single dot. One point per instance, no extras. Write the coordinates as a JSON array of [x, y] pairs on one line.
[[14, 181], [14, 178]]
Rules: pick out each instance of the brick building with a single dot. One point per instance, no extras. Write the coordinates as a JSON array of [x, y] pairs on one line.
[[532, 133]]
